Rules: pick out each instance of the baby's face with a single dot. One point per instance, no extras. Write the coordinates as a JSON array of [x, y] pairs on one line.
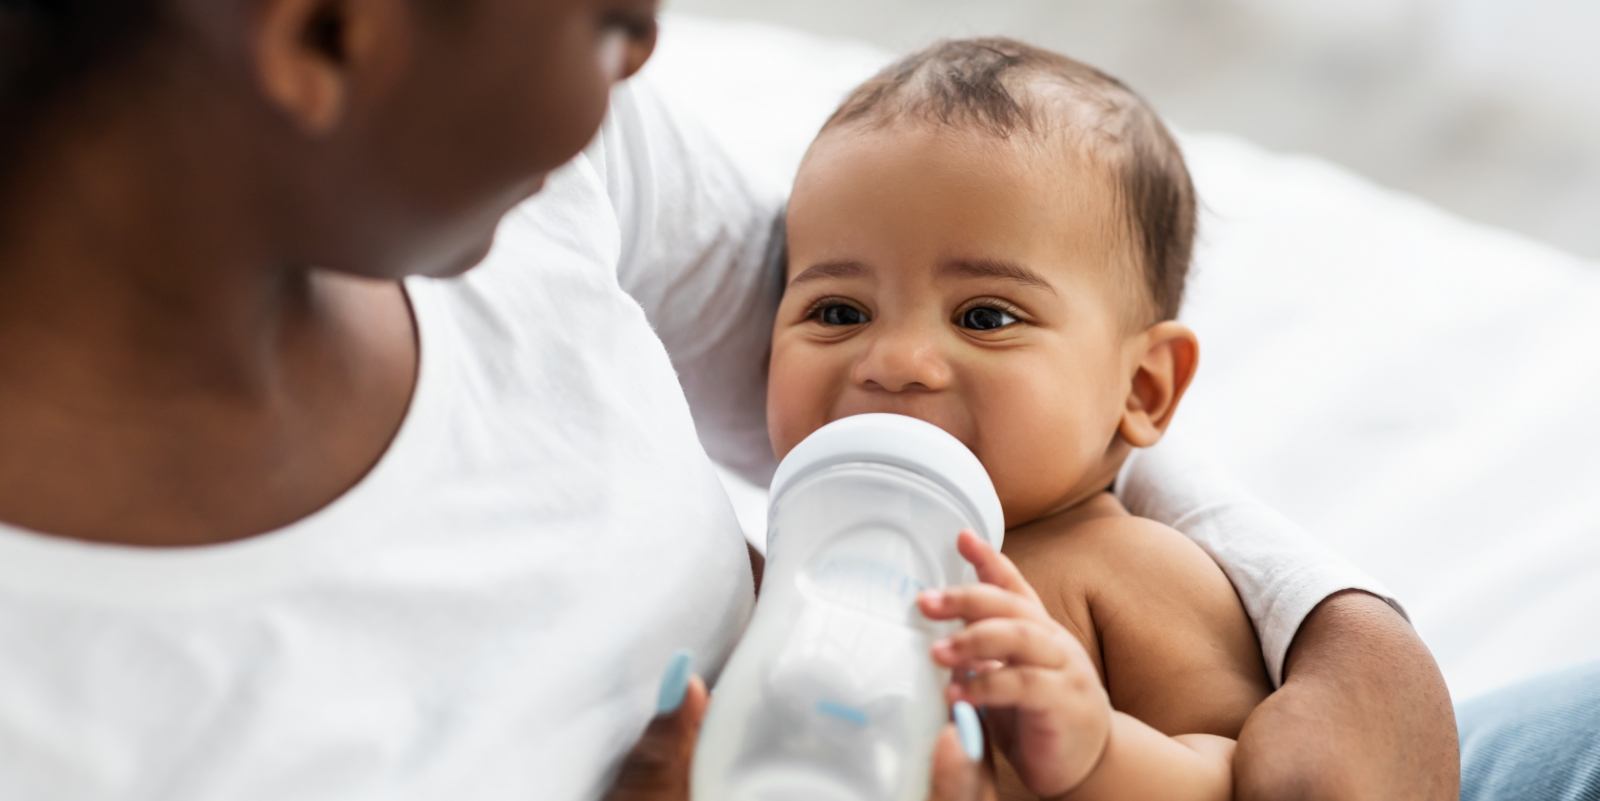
[[973, 283]]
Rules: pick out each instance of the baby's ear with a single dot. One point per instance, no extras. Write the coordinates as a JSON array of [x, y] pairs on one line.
[[1167, 353]]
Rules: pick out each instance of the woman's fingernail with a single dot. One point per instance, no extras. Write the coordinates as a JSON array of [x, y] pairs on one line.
[[933, 598], [943, 649], [674, 683], [970, 730]]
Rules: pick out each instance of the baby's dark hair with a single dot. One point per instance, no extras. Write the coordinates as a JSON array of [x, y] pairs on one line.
[[1001, 86]]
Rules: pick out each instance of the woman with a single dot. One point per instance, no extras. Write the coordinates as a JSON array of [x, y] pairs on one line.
[[286, 518]]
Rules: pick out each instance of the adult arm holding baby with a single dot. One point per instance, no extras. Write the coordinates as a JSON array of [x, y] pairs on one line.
[[1363, 712]]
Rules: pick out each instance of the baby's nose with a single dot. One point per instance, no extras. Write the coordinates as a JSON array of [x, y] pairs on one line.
[[903, 362]]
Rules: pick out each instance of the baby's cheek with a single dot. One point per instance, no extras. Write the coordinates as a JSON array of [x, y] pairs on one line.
[[1031, 483], [797, 398], [1038, 452]]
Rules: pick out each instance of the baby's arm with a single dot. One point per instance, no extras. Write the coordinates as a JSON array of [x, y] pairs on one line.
[[1180, 656], [1052, 717]]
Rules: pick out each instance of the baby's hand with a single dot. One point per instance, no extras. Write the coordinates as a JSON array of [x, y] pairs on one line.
[[1049, 713]]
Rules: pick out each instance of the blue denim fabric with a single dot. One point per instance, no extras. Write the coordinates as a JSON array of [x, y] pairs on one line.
[[1537, 741]]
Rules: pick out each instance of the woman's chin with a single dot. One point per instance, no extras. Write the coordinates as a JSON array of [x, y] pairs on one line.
[[477, 248], [469, 258]]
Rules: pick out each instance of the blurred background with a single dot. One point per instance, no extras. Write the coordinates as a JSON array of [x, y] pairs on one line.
[[1489, 108]]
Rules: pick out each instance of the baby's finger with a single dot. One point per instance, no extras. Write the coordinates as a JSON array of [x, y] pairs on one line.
[[993, 567], [1015, 642], [977, 602], [983, 666], [1025, 688]]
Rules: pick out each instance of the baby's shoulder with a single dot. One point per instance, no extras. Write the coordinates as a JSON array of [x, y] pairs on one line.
[[1110, 567], [1168, 623], [1110, 541], [1130, 544], [1145, 568]]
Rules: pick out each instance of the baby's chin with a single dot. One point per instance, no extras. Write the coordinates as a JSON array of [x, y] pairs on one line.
[[1030, 496]]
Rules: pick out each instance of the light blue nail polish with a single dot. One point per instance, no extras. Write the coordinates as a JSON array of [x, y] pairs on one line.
[[674, 683], [969, 729]]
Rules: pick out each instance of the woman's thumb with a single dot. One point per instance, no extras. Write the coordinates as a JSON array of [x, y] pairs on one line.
[[658, 767], [959, 770], [680, 705]]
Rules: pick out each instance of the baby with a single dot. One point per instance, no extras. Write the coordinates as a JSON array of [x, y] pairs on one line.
[[994, 238]]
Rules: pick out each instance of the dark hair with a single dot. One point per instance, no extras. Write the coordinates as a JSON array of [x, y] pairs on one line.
[[48, 46], [1000, 86]]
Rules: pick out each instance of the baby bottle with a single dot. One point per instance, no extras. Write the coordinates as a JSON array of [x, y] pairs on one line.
[[832, 694]]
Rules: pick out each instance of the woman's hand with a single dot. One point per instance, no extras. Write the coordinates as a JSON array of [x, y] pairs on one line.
[[1051, 715], [960, 771], [657, 769]]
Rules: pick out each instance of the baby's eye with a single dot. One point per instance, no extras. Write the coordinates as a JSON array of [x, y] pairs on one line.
[[986, 318], [840, 314]]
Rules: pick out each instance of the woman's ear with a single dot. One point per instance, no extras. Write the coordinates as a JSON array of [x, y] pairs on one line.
[[312, 56], [1168, 354]]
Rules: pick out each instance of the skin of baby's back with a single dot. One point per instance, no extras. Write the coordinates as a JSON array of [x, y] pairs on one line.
[[1162, 624]]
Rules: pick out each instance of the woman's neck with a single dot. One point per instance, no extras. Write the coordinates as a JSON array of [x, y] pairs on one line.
[[160, 364], [121, 252]]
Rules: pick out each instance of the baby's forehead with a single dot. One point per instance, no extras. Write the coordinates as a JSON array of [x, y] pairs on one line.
[[1066, 158], [1064, 120], [1058, 184], [933, 195]]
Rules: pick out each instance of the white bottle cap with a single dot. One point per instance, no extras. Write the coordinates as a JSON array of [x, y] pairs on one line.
[[907, 443]]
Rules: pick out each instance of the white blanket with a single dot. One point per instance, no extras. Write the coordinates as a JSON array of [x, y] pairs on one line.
[[1418, 390]]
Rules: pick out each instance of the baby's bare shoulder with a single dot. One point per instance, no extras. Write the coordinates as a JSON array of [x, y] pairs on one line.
[[1061, 568], [1137, 550], [1107, 552], [1179, 651]]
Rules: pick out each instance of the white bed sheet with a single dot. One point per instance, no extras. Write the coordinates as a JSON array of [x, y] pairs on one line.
[[1419, 390]]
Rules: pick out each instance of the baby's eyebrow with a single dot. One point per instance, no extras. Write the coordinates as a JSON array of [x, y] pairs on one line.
[[995, 268], [831, 269]]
